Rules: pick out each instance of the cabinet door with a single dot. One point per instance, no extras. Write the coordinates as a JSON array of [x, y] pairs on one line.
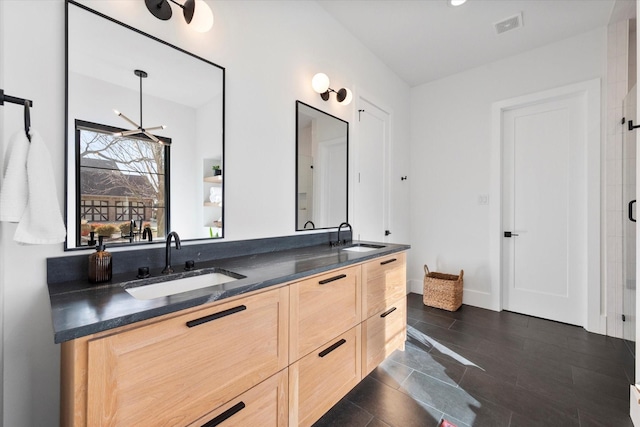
[[384, 281], [382, 334], [322, 308], [320, 379], [174, 371], [264, 405]]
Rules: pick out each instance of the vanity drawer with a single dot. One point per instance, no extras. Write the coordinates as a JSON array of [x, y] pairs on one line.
[[384, 281], [320, 379], [176, 370], [322, 308], [382, 334], [264, 405]]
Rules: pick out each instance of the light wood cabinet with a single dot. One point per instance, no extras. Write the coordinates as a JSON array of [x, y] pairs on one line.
[[175, 370], [264, 405], [322, 308], [384, 280], [382, 334], [320, 379], [280, 357]]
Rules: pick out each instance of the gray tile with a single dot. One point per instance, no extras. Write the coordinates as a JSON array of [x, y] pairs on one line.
[[376, 423], [500, 369], [440, 368], [466, 407], [429, 317], [499, 338], [390, 372], [604, 384], [393, 406], [528, 404], [344, 413], [596, 364], [600, 420], [435, 333]]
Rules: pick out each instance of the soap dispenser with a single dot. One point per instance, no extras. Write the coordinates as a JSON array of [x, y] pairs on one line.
[[100, 264]]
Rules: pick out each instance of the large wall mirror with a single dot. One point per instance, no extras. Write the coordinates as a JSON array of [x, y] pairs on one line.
[[322, 159], [145, 136]]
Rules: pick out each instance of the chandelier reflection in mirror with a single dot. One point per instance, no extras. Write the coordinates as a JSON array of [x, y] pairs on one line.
[[139, 129]]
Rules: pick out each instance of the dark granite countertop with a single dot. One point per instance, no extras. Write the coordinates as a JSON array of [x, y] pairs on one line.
[[80, 308]]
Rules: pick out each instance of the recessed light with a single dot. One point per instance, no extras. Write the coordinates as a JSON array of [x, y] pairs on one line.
[[457, 2]]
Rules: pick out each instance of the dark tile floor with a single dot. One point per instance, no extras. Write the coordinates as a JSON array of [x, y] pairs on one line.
[[477, 367]]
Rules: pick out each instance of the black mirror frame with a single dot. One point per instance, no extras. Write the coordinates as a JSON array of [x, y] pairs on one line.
[[298, 104], [72, 146]]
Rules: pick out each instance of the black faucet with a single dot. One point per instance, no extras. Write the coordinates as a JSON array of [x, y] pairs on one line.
[[167, 253], [146, 234], [309, 222], [342, 242]]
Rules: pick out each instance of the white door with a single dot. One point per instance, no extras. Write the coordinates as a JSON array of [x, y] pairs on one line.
[[545, 209], [629, 216], [371, 189]]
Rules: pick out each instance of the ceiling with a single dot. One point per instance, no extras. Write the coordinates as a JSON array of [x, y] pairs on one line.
[[425, 40]]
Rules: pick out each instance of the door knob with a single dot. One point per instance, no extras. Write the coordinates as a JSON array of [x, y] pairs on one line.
[[509, 234]]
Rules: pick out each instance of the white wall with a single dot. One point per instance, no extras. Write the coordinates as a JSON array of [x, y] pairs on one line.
[[450, 154], [270, 51]]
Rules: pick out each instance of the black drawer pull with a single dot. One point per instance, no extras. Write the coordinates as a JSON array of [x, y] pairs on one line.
[[225, 415], [388, 312], [328, 350], [332, 279], [389, 261], [205, 319]]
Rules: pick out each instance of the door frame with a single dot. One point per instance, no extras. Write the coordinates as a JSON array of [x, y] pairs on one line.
[[359, 146], [594, 319]]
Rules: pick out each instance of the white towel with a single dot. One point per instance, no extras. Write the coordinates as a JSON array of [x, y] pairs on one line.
[[41, 222], [15, 192]]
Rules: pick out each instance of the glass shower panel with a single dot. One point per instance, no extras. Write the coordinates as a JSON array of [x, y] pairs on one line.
[[629, 216]]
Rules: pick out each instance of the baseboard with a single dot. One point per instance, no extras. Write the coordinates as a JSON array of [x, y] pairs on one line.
[[634, 405], [415, 286]]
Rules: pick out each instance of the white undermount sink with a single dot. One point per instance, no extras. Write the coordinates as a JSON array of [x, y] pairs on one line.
[[363, 247], [177, 286]]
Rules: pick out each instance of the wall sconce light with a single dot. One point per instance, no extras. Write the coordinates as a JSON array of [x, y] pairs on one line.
[[202, 21], [320, 84]]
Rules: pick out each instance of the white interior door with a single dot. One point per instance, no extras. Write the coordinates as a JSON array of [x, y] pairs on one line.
[[545, 207], [629, 216], [371, 190]]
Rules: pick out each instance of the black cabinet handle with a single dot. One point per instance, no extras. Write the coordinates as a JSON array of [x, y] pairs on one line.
[[388, 312], [215, 316], [329, 349], [225, 415], [631, 218], [389, 261], [332, 279]]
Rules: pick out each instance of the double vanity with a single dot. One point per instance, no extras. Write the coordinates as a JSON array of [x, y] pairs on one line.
[[290, 327], [265, 332]]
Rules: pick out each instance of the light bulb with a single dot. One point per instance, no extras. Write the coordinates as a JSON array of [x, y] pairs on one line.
[[320, 83], [457, 2], [202, 18]]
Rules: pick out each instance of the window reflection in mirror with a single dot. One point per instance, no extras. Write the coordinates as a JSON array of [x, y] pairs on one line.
[[123, 186], [322, 158]]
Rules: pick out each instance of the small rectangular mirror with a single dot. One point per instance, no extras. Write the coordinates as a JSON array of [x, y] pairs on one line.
[[322, 169]]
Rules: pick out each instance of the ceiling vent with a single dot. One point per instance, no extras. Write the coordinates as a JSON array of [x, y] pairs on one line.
[[509, 24]]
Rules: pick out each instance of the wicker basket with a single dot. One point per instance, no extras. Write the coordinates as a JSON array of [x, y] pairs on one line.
[[442, 290]]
